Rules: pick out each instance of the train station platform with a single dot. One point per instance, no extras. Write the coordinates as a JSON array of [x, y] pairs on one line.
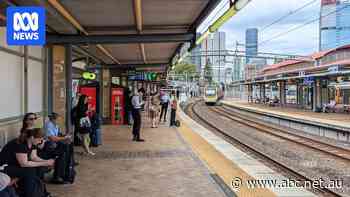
[[337, 121], [243, 173], [163, 165]]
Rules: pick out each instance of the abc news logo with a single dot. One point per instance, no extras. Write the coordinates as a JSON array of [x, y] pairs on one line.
[[29, 30], [26, 26]]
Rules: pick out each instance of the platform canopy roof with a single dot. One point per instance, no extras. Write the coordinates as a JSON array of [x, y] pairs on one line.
[[123, 32]]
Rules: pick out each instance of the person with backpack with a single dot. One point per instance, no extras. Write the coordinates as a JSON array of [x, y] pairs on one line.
[[19, 156]]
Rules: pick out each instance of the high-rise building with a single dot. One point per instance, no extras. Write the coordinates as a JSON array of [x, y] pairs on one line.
[[251, 43], [196, 56], [334, 24], [214, 51]]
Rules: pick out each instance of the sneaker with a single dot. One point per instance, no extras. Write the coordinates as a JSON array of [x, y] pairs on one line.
[[92, 153], [140, 140]]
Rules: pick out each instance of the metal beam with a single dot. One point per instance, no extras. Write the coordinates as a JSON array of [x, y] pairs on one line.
[[128, 66], [68, 76], [203, 15], [87, 53], [57, 5], [138, 21], [95, 29], [118, 39]]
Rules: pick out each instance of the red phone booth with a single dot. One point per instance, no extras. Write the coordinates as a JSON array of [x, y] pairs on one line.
[[91, 93], [117, 107]]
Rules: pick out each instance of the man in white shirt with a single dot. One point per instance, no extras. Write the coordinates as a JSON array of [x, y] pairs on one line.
[[164, 100], [136, 103]]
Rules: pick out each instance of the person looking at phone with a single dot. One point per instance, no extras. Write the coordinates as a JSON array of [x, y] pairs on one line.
[[58, 146]]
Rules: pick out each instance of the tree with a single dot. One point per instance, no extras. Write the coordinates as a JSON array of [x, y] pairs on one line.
[[208, 71], [183, 68]]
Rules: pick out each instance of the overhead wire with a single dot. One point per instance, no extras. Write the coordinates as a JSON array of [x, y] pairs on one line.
[[300, 26], [289, 14]]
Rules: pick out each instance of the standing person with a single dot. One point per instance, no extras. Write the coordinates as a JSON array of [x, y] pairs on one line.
[[82, 124], [128, 107], [173, 111], [136, 114], [20, 156], [164, 100], [154, 110]]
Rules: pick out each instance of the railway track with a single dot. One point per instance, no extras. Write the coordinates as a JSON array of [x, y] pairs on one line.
[[190, 109], [333, 150]]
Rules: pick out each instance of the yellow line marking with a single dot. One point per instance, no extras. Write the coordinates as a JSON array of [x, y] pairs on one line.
[[219, 164]]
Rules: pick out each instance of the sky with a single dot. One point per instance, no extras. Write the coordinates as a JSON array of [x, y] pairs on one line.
[[260, 13]]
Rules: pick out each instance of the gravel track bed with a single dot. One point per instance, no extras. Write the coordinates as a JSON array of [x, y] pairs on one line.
[[308, 162]]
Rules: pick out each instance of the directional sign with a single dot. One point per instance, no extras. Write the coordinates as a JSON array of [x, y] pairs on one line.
[[89, 76]]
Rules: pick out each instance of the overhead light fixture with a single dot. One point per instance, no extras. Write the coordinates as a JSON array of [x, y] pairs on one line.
[[237, 5], [240, 4], [202, 37], [222, 19]]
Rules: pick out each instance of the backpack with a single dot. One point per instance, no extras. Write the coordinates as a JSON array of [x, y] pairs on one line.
[[177, 123], [69, 174]]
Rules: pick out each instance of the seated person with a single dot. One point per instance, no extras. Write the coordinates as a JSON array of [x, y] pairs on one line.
[[58, 146], [6, 189], [329, 107], [20, 156]]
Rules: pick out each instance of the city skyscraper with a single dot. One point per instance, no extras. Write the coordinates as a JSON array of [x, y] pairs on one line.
[[195, 56], [334, 24], [213, 50], [251, 43]]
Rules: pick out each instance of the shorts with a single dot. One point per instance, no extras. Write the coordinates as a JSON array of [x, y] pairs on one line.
[[85, 138]]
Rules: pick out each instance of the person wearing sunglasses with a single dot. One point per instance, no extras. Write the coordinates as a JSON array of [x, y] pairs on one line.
[[28, 121]]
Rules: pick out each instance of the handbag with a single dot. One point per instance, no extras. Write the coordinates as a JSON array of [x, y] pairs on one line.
[[85, 125]]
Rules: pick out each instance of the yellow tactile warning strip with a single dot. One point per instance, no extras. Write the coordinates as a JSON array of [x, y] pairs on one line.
[[219, 164]]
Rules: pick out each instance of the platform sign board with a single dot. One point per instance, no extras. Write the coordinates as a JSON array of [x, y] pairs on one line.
[[333, 69], [308, 80]]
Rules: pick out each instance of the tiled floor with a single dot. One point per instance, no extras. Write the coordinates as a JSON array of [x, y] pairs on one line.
[[162, 166]]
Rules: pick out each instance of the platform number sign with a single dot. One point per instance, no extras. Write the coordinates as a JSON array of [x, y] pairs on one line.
[[25, 26]]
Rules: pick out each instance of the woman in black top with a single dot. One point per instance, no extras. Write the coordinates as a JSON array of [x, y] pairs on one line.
[[81, 112], [20, 156]]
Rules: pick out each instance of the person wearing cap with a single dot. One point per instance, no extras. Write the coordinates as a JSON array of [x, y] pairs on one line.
[[57, 146]]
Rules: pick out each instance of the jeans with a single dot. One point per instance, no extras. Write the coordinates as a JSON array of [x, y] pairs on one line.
[[164, 111], [172, 117]]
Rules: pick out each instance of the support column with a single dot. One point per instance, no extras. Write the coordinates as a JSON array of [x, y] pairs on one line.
[[58, 84], [283, 92], [68, 76], [50, 73], [101, 92], [316, 94], [106, 89], [25, 63]]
